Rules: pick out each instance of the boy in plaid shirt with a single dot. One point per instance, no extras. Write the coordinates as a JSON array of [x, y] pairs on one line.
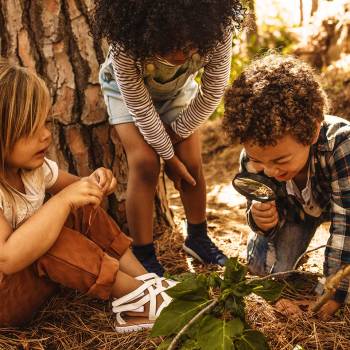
[[276, 109]]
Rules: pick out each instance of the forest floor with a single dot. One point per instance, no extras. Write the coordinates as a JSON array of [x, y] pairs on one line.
[[72, 321]]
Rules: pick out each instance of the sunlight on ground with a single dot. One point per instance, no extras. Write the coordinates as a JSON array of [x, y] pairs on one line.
[[225, 193]]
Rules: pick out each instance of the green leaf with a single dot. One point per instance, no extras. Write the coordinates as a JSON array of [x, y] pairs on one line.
[[179, 277], [237, 327], [241, 289], [269, 290], [252, 340], [234, 272], [192, 288], [236, 307], [215, 334], [190, 344], [164, 344], [214, 280], [176, 315]]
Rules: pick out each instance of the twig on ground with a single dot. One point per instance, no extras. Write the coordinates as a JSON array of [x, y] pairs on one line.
[[279, 275], [330, 287]]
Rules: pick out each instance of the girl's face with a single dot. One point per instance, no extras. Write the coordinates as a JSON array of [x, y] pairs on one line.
[[179, 57], [28, 152]]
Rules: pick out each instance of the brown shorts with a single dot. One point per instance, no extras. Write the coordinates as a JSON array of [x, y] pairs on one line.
[[84, 257]]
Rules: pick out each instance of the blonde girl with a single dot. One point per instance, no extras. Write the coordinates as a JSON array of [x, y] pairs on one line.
[[67, 240]]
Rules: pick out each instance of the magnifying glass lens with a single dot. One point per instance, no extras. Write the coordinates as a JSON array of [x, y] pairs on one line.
[[254, 188]]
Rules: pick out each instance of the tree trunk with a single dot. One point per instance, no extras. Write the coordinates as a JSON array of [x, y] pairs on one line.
[[314, 7], [301, 8], [52, 38]]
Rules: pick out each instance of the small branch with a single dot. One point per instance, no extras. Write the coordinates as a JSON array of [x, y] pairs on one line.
[[330, 287], [190, 323], [317, 248], [279, 275], [282, 274]]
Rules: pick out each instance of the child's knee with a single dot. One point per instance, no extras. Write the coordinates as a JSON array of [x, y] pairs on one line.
[[146, 169], [257, 249], [196, 170]]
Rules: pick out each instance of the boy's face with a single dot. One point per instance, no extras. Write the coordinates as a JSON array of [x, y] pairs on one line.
[[284, 161]]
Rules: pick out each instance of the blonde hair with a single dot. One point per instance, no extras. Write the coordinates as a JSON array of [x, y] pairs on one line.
[[24, 105]]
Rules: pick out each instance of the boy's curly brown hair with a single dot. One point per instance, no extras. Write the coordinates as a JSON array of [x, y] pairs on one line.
[[274, 96], [145, 28]]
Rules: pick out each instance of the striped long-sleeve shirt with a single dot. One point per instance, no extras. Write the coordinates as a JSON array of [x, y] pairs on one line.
[[130, 77]]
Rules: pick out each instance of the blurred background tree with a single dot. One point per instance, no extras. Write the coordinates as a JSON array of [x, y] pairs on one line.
[[318, 31]]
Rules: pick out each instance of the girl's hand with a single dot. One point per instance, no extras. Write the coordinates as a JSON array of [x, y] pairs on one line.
[[81, 193], [177, 171], [104, 178], [265, 215]]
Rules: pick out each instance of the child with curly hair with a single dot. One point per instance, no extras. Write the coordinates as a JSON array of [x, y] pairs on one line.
[[276, 109], [68, 240], [155, 105]]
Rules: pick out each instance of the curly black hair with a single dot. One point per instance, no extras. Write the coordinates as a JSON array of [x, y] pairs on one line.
[[274, 96], [145, 28]]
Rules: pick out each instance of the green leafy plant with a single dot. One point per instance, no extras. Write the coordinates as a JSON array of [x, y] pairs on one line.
[[208, 311]]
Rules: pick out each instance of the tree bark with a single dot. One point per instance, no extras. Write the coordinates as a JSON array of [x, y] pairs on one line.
[[52, 38]]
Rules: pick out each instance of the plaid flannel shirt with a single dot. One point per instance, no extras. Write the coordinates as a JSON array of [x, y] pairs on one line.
[[330, 184]]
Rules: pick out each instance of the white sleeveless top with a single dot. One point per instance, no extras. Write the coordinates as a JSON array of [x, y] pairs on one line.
[[35, 182]]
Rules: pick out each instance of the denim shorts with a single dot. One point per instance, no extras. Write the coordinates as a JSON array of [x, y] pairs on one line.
[[168, 109]]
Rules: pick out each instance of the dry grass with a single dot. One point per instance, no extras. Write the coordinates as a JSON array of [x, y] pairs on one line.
[[310, 332], [73, 321]]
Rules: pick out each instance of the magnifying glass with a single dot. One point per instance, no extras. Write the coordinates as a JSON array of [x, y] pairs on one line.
[[255, 187], [260, 188]]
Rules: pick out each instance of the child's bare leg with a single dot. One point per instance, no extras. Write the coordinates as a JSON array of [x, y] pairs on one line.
[[193, 197], [130, 265], [143, 178], [197, 243], [144, 167], [124, 284]]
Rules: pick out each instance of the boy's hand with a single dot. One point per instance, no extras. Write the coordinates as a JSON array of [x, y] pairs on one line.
[[175, 138], [81, 193], [265, 215], [177, 171], [104, 178], [328, 310], [288, 308], [292, 308]]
